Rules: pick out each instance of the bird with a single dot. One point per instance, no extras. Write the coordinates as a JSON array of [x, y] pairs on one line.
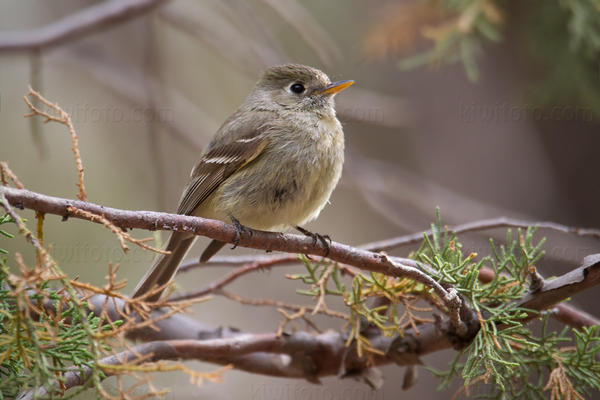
[[271, 166]]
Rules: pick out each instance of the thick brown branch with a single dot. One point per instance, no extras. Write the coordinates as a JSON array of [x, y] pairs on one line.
[[213, 229], [563, 312], [560, 288], [289, 243], [300, 355], [405, 240], [431, 339], [77, 25], [326, 356]]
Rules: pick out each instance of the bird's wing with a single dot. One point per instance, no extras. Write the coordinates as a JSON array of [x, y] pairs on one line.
[[217, 165]]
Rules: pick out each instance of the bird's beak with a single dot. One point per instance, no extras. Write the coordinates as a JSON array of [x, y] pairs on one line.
[[335, 87]]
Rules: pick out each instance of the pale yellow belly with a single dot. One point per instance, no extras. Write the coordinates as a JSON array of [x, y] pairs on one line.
[[278, 190]]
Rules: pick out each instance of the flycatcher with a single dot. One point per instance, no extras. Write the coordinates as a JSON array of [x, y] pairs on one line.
[[272, 165]]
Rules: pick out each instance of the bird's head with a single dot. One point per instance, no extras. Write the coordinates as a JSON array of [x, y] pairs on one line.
[[295, 87]]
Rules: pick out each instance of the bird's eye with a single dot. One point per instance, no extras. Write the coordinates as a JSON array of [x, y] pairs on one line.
[[297, 88]]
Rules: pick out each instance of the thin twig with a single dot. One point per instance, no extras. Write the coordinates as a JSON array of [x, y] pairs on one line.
[[121, 235], [258, 265], [500, 222], [322, 284], [230, 277], [46, 260], [233, 260], [281, 304], [289, 318], [22, 229], [6, 173], [448, 296], [63, 118]]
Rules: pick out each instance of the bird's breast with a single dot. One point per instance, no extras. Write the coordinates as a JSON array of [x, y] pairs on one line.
[[291, 181], [309, 174]]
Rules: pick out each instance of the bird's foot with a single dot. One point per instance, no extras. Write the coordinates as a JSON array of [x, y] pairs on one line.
[[239, 230], [317, 236]]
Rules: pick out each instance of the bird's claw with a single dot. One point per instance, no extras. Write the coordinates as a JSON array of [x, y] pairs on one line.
[[317, 236], [239, 230]]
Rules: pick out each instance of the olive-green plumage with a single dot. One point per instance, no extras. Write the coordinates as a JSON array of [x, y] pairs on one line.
[[272, 165]]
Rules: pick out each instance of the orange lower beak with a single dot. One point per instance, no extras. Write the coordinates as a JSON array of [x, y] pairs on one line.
[[336, 87]]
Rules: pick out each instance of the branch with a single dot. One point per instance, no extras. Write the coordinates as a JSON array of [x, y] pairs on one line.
[[269, 348], [6, 174], [64, 118], [563, 312], [404, 240], [270, 262], [289, 243], [430, 338], [573, 316], [433, 338], [303, 355], [226, 280], [145, 353], [213, 229], [500, 222], [264, 260], [560, 288], [283, 305], [323, 354], [77, 25]]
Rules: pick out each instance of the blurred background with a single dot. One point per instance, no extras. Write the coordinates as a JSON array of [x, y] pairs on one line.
[[484, 108]]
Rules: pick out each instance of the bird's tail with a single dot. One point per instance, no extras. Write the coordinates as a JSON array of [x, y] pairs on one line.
[[165, 266], [211, 250]]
